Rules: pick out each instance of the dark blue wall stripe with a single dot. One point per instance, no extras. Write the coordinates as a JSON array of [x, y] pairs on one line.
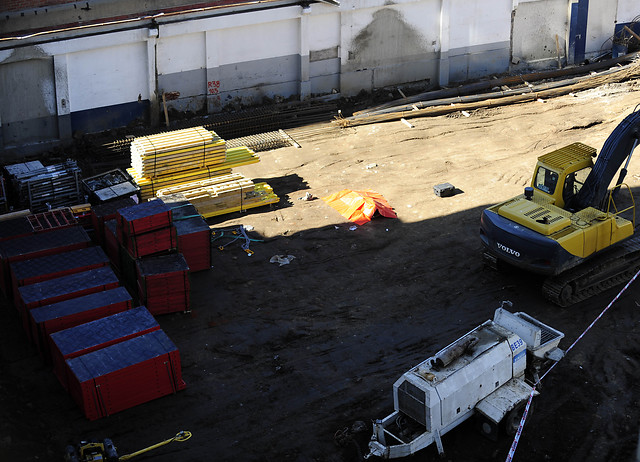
[[105, 118]]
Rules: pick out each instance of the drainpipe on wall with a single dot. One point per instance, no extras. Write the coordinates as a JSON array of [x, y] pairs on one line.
[[61, 82], [443, 76], [305, 83], [154, 106]]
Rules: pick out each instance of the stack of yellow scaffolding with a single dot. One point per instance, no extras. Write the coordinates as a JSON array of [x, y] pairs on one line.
[[167, 153], [182, 157], [223, 194]]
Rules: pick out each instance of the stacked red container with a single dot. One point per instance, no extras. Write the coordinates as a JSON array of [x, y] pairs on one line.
[[145, 229], [163, 282], [34, 270], [15, 227], [124, 375], [48, 319], [38, 245], [111, 244], [65, 289], [194, 235], [97, 334], [105, 212]]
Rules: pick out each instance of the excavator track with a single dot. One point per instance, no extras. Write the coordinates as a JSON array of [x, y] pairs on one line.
[[594, 276]]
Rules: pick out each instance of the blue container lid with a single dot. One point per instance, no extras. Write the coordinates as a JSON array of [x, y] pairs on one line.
[[80, 304], [103, 330], [121, 355], [70, 284]]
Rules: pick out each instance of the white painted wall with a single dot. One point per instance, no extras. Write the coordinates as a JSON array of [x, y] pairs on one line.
[[181, 53], [107, 76], [324, 27], [600, 27], [627, 10], [536, 23], [251, 43], [476, 23]]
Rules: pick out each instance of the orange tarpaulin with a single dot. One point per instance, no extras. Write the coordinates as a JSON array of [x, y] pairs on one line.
[[359, 206]]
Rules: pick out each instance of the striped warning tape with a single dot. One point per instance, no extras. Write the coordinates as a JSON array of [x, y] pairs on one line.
[[516, 439]]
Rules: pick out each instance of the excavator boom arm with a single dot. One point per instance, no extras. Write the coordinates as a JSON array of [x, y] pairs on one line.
[[618, 147]]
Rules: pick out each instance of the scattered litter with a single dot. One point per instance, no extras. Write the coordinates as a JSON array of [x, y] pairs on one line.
[[465, 113], [281, 259], [307, 197], [540, 100], [353, 228], [248, 228], [359, 206], [373, 165], [406, 122], [444, 190]]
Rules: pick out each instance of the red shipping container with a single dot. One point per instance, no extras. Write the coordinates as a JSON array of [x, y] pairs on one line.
[[128, 272], [52, 266], [163, 282], [66, 287], [194, 242], [48, 319], [159, 240], [194, 234], [173, 302], [124, 375], [39, 245], [107, 211], [142, 218], [95, 335], [63, 288], [15, 227], [111, 243]]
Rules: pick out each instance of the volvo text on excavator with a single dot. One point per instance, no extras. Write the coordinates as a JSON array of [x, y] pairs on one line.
[[572, 224]]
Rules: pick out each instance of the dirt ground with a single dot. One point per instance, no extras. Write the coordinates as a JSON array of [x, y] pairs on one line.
[[278, 358]]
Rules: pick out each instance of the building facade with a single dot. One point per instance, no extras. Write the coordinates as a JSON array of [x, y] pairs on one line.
[[60, 75]]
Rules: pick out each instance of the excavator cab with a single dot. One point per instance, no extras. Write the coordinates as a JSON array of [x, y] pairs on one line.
[[560, 174]]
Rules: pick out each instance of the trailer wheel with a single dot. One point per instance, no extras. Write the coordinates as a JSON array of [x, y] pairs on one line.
[[513, 418], [487, 428]]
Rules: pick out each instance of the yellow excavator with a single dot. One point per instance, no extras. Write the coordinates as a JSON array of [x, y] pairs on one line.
[[571, 224]]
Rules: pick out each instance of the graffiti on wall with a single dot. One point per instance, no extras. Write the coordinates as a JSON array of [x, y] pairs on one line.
[[213, 89]]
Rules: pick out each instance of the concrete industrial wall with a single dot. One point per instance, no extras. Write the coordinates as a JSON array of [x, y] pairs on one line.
[[88, 80]]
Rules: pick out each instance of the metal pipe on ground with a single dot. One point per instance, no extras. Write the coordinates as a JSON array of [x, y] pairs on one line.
[[496, 99], [509, 80]]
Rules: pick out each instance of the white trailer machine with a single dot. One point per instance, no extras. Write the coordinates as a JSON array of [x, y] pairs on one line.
[[483, 373]]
